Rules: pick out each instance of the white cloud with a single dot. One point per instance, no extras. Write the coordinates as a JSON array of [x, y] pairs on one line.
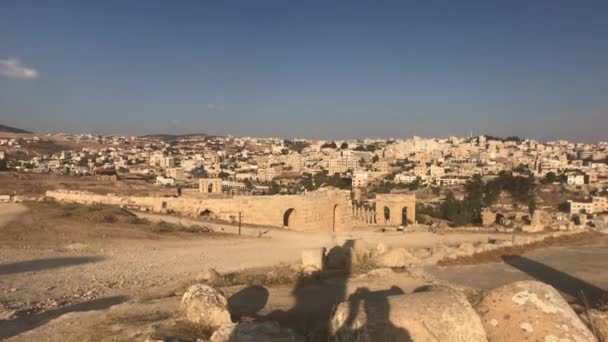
[[12, 68]]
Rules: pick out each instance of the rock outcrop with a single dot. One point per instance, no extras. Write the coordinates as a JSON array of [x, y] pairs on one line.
[[440, 314], [598, 320], [530, 311], [205, 306], [313, 258], [396, 257]]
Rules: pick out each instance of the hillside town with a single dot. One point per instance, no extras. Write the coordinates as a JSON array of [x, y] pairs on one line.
[[268, 166]]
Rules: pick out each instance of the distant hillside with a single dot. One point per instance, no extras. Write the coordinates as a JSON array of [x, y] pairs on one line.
[[173, 137], [8, 129]]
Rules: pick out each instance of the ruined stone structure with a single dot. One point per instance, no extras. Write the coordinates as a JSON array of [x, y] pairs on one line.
[[395, 209], [364, 215], [210, 185], [322, 210]]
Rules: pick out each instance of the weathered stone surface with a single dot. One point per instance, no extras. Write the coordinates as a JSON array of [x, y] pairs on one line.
[[466, 249], [438, 253], [530, 311], [397, 257], [488, 217], [421, 253], [325, 209], [599, 321], [254, 332], [203, 305], [381, 248], [540, 218], [530, 228], [313, 258], [360, 248], [210, 276], [395, 204], [441, 314]]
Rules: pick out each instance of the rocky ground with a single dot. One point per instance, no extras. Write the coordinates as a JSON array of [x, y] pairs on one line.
[[73, 275]]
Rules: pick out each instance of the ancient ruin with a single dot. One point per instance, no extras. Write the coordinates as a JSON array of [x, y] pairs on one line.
[[322, 210], [396, 209]]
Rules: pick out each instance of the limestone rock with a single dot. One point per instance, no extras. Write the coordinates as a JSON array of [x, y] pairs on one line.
[[441, 314], [313, 258], [422, 253], [360, 248], [397, 257], [210, 276], [380, 249], [203, 305], [531, 228], [254, 332], [488, 217], [599, 321], [466, 249], [530, 311]]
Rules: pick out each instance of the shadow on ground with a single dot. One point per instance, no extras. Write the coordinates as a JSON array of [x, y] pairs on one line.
[[19, 325], [316, 300], [575, 288], [45, 264]]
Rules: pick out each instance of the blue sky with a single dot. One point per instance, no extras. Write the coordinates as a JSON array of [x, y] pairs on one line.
[[318, 69]]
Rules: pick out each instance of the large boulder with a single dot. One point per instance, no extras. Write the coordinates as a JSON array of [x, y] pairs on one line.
[[441, 314], [360, 249], [541, 218], [488, 217], [313, 258], [396, 257], [205, 306], [530, 311], [381, 248], [210, 276], [598, 320], [254, 332]]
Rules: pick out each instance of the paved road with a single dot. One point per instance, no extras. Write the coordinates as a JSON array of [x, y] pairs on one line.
[[570, 269]]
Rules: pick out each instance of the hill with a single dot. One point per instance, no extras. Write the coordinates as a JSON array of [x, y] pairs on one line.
[[8, 129]]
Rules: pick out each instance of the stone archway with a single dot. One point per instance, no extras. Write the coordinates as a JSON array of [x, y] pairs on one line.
[[387, 215], [500, 219], [404, 218], [288, 217], [335, 218]]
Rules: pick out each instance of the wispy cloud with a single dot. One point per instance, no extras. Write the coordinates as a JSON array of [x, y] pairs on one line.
[[12, 68]]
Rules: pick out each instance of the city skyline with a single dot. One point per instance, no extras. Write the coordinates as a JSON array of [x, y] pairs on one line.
[[314, 70]]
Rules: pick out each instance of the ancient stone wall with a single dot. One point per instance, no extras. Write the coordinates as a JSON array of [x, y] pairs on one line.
[[325, 209], [210, 185], [395, 209]]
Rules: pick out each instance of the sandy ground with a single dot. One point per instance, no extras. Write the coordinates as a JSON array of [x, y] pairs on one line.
[[53, 269], [570, 269]]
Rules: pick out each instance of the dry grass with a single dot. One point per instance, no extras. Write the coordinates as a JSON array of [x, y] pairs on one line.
[[498, 254], [109, 215]]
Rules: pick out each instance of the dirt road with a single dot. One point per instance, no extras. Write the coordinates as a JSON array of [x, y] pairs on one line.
[[52, 263]]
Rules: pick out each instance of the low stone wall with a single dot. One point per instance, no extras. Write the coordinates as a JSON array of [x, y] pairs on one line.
[[326, 209]]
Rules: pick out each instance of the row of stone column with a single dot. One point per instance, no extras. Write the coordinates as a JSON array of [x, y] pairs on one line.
[[362, 214]]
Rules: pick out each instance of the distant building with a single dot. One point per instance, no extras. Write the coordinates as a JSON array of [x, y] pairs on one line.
[[576, 179], [176, 173], [160, 180]]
